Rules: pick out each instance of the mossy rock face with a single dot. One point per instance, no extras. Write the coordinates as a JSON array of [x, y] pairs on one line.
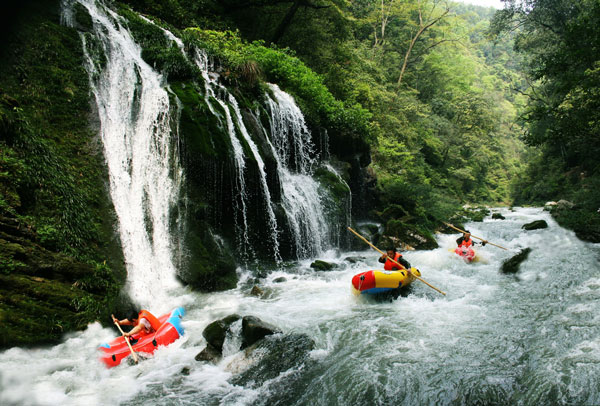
[[398, 233], [512, 265], [61, 262], [535, 225], [215, 332]]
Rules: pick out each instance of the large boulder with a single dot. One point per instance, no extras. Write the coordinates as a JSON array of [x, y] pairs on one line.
[[512, 265], [215, 332], [278, 353], [535, 225], [254, 329], [498, 216]]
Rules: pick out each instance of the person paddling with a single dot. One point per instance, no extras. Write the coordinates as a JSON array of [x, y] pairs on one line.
[[142, 320], [396, 256], [466, 241]]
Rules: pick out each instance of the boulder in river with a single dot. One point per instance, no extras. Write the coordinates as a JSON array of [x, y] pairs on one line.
[[280, 279], [322, 265], [535, 225], [256, 291], [216, 331], [209, 354], [498, 216], [253, 329], [277, 354], [512, 265]]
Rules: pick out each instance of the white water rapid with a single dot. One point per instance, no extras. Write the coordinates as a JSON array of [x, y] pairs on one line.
[[140, 150], [527, 339]]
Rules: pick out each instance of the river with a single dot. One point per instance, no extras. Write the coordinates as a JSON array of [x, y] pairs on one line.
[[527, 339]]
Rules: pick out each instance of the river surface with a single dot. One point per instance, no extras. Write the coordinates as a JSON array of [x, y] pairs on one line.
[[527, 339]]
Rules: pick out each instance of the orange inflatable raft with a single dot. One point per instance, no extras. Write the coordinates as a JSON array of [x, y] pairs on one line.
[[170, 330]]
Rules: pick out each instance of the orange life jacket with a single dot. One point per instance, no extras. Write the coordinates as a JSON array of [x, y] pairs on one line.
[[390, 266], [466, 243], [151, 318]]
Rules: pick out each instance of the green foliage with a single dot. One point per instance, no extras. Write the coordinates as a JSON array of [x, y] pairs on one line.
[[281, 67], [555, 38]]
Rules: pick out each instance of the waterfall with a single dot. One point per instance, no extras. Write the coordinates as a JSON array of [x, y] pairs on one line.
[[140, 151], [217, 92], [294, 151]]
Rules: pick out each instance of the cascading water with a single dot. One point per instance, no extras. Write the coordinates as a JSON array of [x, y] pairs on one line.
[[215, 91], [140, 150], [294, 151]]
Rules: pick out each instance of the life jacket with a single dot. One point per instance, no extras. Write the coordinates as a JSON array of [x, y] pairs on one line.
[[151, 318], [466, 243], [390, 266]]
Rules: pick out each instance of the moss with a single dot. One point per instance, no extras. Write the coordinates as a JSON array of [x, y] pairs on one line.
[[332, 182], [60, 260], [203, 132]]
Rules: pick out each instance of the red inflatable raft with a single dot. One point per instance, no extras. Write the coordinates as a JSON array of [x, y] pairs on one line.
[[465, 253], [169, 331]]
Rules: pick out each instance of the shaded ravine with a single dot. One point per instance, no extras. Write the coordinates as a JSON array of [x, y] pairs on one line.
[[527, 339]]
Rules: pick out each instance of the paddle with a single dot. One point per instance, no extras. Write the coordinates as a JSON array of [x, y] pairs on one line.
[[135, 358], [474, 236], [394, 261]]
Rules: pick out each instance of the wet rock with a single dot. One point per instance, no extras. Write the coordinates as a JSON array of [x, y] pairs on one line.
[[185, 371], [322, 265], [564, 204], [281, 353], [354, 260], [409, 236], [256, 291], [254, 329], [215, 332], [498, 216], [512, 265], [549, 206], [371, 231], [535, 225], [476, 214], [280, 279], [209, 354]]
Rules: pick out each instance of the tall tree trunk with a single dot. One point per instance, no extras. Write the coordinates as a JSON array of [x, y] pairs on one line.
[[283, 25]]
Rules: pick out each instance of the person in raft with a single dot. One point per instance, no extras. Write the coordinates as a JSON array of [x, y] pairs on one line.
[[466, 242], [391, 266], [140, 320]]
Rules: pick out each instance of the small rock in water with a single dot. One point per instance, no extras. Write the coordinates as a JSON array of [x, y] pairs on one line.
[[498, 216], [322, 265], [185, 371], [209, 354], [512, 265], [535, 225], [280, 279], [354, 260], [256, 291], [253, 329]]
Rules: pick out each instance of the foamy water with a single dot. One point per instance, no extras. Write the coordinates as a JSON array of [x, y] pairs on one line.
[[530, 338]]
